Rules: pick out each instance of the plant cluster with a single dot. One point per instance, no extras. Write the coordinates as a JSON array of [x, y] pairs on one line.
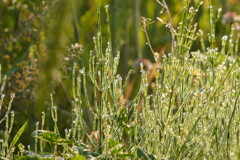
[[186, 105]]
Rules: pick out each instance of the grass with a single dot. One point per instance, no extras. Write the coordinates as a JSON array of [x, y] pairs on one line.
[[186, 105]]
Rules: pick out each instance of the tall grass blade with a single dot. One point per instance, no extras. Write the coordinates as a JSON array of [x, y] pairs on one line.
[[16, 137]]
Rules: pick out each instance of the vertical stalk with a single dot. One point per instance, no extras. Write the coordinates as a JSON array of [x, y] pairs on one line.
[[36, 140], [99, 50], [101, 108], [137, 21], [74, 21], [42, 127]]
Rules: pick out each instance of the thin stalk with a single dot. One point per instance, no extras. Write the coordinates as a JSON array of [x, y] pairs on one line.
[[137, 22], [230, 122]]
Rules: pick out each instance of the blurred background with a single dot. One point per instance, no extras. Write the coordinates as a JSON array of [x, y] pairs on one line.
[[39, 37]]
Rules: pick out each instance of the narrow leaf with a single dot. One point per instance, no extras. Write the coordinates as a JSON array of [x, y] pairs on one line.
[[17, 136]]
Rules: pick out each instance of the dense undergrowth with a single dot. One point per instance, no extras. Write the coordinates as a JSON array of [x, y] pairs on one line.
[[186, 105]]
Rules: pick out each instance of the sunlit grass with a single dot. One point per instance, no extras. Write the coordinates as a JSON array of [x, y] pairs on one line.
[[186, 107]]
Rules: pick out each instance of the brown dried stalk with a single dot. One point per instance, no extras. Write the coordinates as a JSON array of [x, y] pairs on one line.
[[174, 42], [144, 28]]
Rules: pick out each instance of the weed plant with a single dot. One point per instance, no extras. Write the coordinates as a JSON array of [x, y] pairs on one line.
[[7, 147], [187, 106]]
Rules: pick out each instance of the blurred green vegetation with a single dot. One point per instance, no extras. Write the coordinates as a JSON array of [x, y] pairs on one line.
[[34, 35]]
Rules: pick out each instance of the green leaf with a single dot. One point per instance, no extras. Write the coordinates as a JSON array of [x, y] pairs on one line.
[[48, 136], [79, 158], [112, 143], [143, 154], [17, 136]]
